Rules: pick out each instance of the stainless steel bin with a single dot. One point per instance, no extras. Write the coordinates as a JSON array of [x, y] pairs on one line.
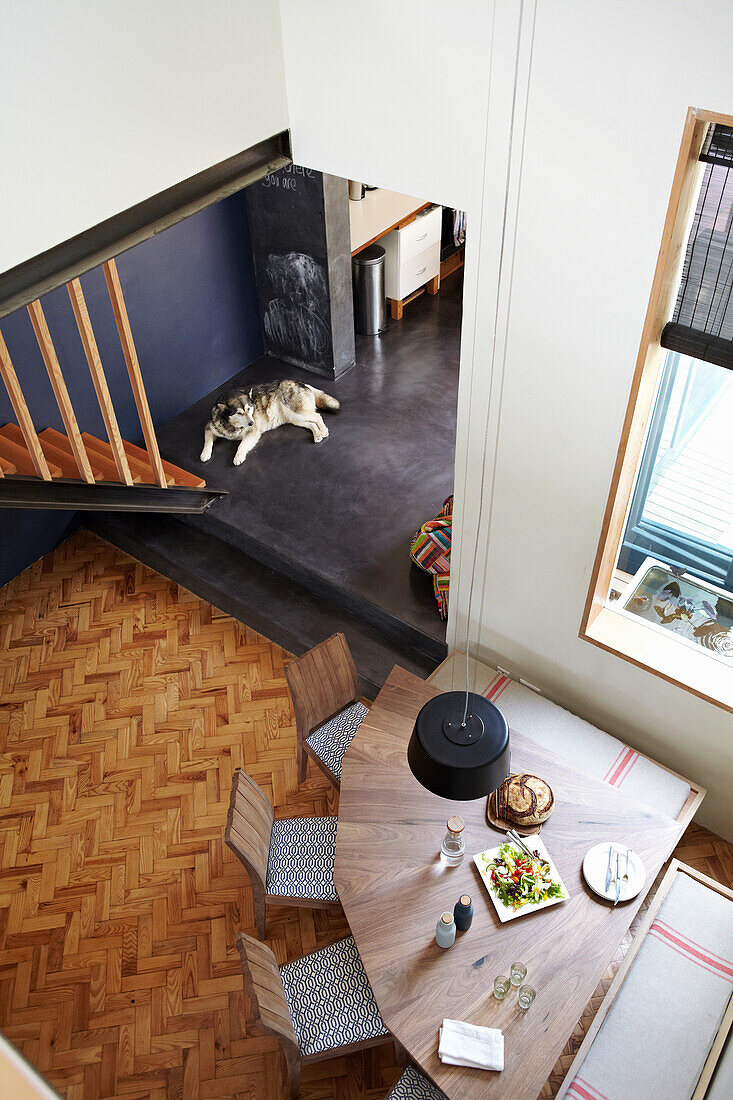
[[370, 304]]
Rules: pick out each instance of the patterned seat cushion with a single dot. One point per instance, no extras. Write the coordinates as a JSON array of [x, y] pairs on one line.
[[300, 864], [659, 1030], [563, 733], [330, 999], [330, 742], [413, 1086]]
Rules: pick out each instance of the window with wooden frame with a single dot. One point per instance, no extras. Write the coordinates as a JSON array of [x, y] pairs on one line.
[[661, 591]]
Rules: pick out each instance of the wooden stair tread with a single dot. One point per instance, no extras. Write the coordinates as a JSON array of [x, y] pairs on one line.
[[14, 458], [103, 462], [140, 464], [53, 454], [19, 456], [178, 476], [101, 448]]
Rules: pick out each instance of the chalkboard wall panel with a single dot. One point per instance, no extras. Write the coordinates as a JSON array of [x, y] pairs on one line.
[[299, 227]]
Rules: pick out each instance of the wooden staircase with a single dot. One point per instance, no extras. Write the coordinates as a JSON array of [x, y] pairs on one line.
[[16, 459], [53, 469]]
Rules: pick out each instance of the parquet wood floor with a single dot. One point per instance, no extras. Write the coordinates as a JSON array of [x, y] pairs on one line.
[[125, 704]]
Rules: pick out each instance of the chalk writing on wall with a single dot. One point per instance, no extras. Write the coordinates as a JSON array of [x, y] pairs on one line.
[[287, 178]]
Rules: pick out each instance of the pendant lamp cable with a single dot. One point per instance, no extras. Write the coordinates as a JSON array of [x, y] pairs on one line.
[[499, 285]]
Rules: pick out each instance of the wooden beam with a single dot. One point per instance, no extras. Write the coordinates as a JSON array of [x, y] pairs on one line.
[[61, 393], [661, 302], [35, 277], [119, 309], [17, 400], [84, 324]]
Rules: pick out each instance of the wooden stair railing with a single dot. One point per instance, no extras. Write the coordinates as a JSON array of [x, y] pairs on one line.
[[76, 457]]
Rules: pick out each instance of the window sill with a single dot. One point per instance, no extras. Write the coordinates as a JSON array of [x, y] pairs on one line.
[[665, 657]]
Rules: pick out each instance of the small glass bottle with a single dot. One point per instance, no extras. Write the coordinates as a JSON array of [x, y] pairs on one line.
[[445, 931], [463, 913], [454, 846]]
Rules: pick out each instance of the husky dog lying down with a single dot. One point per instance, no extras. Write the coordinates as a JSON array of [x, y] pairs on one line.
[[246, 414]]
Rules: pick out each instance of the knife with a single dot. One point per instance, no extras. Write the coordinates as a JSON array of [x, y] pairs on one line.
[[618, 882], [608, 871]]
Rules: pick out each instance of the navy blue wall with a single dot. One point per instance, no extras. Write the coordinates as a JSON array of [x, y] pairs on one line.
[[192, 301]]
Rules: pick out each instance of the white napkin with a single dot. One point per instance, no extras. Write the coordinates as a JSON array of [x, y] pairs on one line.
[[470, 1045]]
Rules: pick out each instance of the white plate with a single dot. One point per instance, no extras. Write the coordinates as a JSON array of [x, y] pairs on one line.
[[506, 912], [595, 865]]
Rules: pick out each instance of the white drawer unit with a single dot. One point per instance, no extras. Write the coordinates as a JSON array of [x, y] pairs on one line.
[[412, 255], [403, 280], [419, 235]]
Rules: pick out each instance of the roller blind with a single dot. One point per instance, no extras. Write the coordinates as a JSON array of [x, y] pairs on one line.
[[702, 323]]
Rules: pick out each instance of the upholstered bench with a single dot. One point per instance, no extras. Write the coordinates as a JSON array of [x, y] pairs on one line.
[[661, 1027], [563, 733]]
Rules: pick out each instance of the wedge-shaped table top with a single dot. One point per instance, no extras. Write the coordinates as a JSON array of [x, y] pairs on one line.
[[393, 888]]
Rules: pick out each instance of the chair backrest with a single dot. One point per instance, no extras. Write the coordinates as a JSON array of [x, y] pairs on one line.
[[267, 996], [249, 826], [322, 682]]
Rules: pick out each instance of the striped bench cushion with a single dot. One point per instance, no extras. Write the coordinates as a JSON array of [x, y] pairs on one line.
[[721, 1086], [657, 1035], [563, 733]]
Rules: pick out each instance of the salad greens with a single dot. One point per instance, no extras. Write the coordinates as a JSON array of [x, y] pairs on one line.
[[518, 880]]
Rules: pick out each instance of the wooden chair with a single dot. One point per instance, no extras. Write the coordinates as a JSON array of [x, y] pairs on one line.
[[296, 1004], [289, 862], [324, 688], [413, 1086]]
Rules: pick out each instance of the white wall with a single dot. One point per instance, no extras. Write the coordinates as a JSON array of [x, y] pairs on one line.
[[105, 104], [605, 107]]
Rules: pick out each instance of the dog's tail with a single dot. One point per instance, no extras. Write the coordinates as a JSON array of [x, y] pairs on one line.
[[324, 400]]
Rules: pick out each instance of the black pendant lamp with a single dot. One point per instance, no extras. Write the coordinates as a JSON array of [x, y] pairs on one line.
[[459, 747]]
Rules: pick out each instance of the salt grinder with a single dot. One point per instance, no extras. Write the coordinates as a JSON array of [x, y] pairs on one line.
[[445, 932]]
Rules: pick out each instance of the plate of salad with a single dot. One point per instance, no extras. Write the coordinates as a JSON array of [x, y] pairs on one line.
[[518, 884]]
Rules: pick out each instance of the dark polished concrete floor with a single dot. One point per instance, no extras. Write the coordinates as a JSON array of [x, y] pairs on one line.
[[342, 512]]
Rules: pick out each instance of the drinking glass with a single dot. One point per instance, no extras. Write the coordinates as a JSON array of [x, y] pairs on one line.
[[526, 996], [501, 987], [518, 973]]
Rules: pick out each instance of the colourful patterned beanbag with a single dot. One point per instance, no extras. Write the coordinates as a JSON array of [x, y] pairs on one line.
[[430, 549]]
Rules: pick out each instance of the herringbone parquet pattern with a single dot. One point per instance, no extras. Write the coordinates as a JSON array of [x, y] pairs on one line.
[[126, 703]]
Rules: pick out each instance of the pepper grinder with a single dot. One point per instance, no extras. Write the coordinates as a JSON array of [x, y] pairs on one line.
[[463, 913], [445, 932]]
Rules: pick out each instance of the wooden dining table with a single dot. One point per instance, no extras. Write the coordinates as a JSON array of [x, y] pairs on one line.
[[393, 888]]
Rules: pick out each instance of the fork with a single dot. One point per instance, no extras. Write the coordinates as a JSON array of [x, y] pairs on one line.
[[618, 882], [625, 876]]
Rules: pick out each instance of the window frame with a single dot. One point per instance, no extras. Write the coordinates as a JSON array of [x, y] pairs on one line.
[[600, 624]]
